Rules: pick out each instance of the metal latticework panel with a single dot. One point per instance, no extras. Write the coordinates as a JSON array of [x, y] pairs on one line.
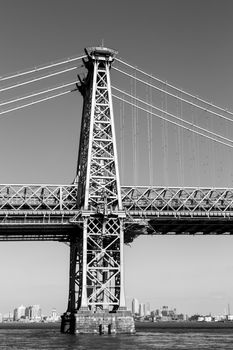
[[178, 202], [38, 197], [103, 262]]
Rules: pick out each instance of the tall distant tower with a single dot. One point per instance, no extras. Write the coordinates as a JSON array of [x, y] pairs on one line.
[[135, 306], [96, 292]]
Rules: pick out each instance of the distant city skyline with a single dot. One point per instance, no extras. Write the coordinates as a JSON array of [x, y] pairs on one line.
[[142, 308], [31, 313]]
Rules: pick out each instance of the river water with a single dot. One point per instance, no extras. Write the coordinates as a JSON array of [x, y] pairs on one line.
[[144, 339]]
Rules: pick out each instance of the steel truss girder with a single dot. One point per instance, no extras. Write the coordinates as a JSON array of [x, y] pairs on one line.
[[38, 197], [178, 202], [46, 200]]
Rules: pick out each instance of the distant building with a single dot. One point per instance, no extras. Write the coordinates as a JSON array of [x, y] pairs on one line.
[[135, 306], [19, 313], [142, 310], [9, 317], [166, 314], [1, 318], [157, 313], [201, 318], [208, 318], [147, 312], [219, 318], [27, 312], [181, 317], [164, 311], [33, 313], [53, 317]]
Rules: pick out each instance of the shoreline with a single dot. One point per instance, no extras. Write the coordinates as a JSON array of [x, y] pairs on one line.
[[165, 326], [183, 325]]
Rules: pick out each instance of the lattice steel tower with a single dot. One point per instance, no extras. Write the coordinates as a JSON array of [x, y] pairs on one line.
[[96, 291]]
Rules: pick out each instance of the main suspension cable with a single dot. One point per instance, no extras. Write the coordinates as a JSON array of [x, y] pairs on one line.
[[175, 96], [172, 115], [38, 69], [177, 124], [34, 102], [37, 93], [173, 87], [37, 79]]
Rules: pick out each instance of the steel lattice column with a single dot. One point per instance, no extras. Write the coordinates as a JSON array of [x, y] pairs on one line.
[[100, 263]]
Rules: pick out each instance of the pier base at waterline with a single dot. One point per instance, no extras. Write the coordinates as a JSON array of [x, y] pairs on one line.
[[85, 321]]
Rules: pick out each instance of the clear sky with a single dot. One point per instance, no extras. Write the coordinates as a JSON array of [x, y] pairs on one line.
[[187, 43]]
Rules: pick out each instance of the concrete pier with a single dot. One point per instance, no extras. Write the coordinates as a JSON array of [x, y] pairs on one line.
[[85, 321]]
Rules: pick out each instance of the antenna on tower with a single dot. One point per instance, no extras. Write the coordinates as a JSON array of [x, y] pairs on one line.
[[102, 43]]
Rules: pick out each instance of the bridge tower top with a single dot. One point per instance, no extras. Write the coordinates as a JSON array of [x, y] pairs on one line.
[[101, 53]]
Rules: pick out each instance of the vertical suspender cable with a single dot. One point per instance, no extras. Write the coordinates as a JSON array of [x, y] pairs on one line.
[[197, 147], [209, 156], [151, 141], [122, 115], [148, 131], [149, 136], [165, 142], [135, 135], [136, 131], [182, 145], [229, 162], [120, 153], [194, 152], [214, 179], [223, 169], [178, 148]]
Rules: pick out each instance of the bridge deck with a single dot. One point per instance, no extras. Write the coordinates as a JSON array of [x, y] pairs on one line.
[[48, 212]]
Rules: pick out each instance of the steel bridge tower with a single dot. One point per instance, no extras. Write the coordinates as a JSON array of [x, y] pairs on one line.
[[96, 291]]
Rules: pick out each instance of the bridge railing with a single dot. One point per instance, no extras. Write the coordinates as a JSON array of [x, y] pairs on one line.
[[38, 197]]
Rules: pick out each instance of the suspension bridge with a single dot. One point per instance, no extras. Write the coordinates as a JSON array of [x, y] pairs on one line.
[[96, 214]]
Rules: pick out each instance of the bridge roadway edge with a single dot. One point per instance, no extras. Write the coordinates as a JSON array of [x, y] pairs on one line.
[[60, 227]]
